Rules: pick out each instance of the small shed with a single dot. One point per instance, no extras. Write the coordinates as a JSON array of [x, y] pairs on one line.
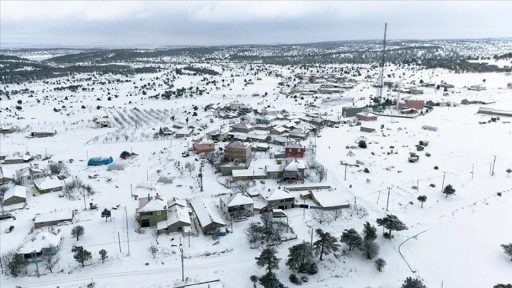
[[54, 218], [117, 167], [98, 161]]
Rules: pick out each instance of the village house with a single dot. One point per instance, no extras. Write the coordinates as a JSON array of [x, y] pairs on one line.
[[416, 104], [366, 116], [237, 206], [102, 122], [294, 170], [237, 152], [26, 176], [329, 199], [41, 244], [207, 216], [294, 150], [203, 147], [7, 129], [217, 135], [183, 132], [178, 218], [15, 195], [4, 178], [242, 127], [278, 199], [151, 210], [48, 184], [54, 218], [351, 111]]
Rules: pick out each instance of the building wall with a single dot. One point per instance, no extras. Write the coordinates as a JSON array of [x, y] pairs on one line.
[[14, 200], [203, 148], [154, 217], [240, 154], [294, 152]]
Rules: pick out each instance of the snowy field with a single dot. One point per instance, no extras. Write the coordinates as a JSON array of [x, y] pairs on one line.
[[452, 241]]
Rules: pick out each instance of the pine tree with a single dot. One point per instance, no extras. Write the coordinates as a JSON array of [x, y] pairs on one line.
[[392, 223], [369, 232], [413, 283], [299, 256], [508, 249], [422, 199], [106, 214], [82, 255], [352, 238], [103, 255], [270, 280], [326, 244], [77, 231], [448, 190], [379, 264], [268, 259], [370, 249], [254, 280]]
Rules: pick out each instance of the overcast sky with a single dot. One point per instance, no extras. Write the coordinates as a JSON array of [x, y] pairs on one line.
[[162, 23]]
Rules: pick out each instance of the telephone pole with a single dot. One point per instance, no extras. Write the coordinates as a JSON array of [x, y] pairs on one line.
[[387, 202], [345, 171], [442, 185], [127, 230], [493, 164]]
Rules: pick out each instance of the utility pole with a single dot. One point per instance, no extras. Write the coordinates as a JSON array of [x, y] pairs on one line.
[[201, 176], [345, 172], [303, 209], [37, 265], [387, 202], [378, 197], [418, 186], [127, 230], [442, 185], [473, 171], [311, 237], [182, 263], [147, 174], [493, 164], [119, 241]]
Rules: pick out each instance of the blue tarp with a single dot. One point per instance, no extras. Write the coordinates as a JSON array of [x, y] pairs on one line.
[[96, 161]]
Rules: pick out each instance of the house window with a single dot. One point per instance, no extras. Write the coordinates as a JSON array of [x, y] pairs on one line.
[[158, 212]]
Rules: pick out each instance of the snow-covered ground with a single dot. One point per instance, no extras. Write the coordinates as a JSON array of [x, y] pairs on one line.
[[452, 241]]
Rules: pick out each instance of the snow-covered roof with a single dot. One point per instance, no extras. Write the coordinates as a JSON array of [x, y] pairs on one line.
[[176, 201], [205, 214], [16, 191], [235, 144], [329, 198], [43, 239], [48, 183], [146, 185], [154, 203], [178, 213], [27, 170], [248, 172], [278, 194], [237, 199], [295, 165], [54, 216], [274, 168]]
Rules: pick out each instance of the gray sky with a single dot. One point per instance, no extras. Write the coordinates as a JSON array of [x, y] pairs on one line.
[[160, 23]]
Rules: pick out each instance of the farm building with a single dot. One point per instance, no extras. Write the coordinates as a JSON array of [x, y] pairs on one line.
[[41, 244], [54, 218], [48, 184], [7, 129], [237, 206], [98, 161], [14, 195], [203, 147], [115, 167], [208, 217], [294, 150], [351, 111], [366, 116], [102, 122], [42, 134]]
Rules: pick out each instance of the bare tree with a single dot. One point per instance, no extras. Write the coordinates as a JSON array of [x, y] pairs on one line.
[[321, 216], [50, 260], [336, 213], [153, 249], [241, 187], [190, 166]]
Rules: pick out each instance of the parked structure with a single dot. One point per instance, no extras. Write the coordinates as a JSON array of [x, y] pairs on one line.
[[42, 134]]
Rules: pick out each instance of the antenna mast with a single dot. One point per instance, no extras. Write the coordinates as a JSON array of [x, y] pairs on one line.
[[380, 85]]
